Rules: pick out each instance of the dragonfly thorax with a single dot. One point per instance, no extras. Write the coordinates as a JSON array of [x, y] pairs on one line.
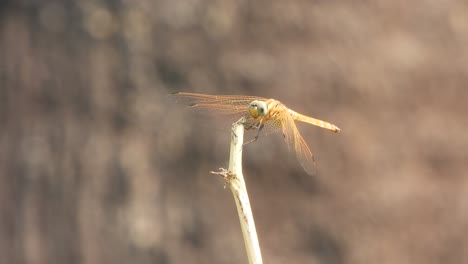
[[258, 108]]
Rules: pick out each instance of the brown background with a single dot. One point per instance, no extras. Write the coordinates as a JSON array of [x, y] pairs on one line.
[[98, 166]]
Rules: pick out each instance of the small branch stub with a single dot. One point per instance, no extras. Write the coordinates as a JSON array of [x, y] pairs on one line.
[[227, 176], [235, 180]]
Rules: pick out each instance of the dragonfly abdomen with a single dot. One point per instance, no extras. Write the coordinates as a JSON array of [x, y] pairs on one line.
[[313, 121]]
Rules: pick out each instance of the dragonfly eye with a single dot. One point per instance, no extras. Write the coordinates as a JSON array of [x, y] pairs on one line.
[[258, 108], [262, 108]]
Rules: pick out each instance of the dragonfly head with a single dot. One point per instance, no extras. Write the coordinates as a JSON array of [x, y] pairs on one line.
[[258, 108]]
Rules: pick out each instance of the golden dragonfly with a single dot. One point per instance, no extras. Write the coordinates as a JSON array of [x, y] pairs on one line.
[[267, 115]]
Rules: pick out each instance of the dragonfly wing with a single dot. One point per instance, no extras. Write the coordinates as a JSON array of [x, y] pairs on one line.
[[219, 103], [230, 107], [209, 97], [305, 156], [271, 127], [297, 144]]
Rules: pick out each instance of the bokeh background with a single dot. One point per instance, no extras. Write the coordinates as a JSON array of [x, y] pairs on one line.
[[97, 165]]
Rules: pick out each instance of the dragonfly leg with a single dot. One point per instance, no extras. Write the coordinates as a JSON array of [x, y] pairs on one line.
[[256, 137], [253, 123], [250, 141], [250, 126]]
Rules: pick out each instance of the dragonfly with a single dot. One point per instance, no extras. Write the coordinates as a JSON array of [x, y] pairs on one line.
[[268, 116]]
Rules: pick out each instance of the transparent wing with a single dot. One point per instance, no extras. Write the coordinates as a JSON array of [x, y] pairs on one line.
[[225, 108], [272, 126], [226, 104], [297, 144]]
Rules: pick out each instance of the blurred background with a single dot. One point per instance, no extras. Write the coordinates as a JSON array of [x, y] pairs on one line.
[[98, 166]]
